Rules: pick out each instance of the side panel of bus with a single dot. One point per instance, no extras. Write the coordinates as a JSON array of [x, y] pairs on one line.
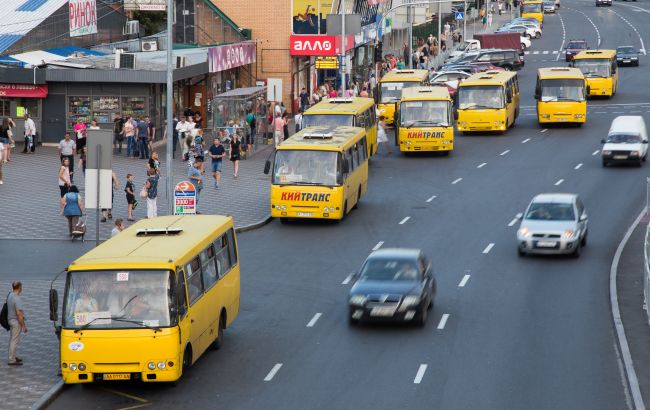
[[368, 120], [356, 182]]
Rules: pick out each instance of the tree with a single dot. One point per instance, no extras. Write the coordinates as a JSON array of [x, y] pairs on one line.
[[152, 21]]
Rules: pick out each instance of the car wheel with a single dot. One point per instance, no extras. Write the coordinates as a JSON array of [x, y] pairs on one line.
[[577, 251], [605, 164], [583, 242], [422, 317], [352, 321], [579, 124], [644, 157], [639, 164], [520, 252], [538, 35], [356, 205], [216, 345]]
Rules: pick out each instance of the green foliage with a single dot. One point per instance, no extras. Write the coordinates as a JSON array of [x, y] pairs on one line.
[[152, 21]]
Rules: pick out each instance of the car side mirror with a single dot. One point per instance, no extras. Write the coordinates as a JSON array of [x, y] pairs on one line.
[[54, 305], [644, 141], [267, 166], [346, 166], [583, 217], [602, 141]]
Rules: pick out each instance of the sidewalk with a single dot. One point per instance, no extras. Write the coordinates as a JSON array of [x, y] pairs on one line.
[[29, 198]]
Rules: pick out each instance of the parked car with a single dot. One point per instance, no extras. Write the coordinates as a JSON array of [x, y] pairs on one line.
[[549, 6], [603, 3], [525, 42], [626, 142], [529, 31], [393, 284], [528, 19], [573, 47], [506, 59], [553, 224], [485, 66], [449, 79], [468, 68], [627, 55]]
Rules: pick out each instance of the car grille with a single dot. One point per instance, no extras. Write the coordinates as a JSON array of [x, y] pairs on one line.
[[546, 235], [625, 153], [383, 300]]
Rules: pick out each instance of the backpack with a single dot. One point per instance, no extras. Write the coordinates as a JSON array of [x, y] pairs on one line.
[[4, 316]]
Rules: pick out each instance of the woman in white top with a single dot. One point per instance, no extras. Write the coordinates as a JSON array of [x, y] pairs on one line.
[[382, 138], [64, 177]]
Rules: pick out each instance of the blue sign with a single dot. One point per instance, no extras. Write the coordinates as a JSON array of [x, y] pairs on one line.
[[459, 15]]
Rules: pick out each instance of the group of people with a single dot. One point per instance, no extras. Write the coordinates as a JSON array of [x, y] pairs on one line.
[[7, 141]]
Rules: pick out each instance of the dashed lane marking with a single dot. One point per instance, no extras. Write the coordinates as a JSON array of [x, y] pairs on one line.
[[525, 141], [454, 182], [544, 130], [595, 152], [642, 50], [348, 279], [481, 165], [463, 281], [488, 248], [504, 152], [563, 38], [314, 319], [513, 222], [443, 321], [559, 182], [403, 221], [545, 52], [431, 198], [420, 374], [578, 166], [379, 244], [273, 372]]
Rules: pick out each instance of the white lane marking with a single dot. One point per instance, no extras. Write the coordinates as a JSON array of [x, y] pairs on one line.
[[595, 152], [536, 52], [420, 374], [526, 52], [600, 112], [504, 152], [545, 52], [592, 23], [454, 182], [482, 165], [559, 52], [559, 182], [544, 130], [642, 50], [617, 112], [513, 222], [379, 244], [488, 248], [347, 279], [314, 319], [578, 166], [443, 321], [530, 114], [272, 373], [555, 51], [403, 221], [431, 199], [525, 141], [463, 281]]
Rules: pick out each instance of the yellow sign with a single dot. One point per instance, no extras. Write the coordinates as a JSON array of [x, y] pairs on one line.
[[327, 63], [309, 16], [20, 112]]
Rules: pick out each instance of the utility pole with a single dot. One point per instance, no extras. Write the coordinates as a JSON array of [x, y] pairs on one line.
[[409, 20], [343, 85], [169, 91], [439, 28], [465, 20]]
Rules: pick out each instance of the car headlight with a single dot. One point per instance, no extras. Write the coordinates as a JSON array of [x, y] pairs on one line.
[[151, 366], [161, 365], [358, 300], [568, 234], [634, 153], [607, 152], [411, 300], [73, 367], [523, 232], [635, 58]]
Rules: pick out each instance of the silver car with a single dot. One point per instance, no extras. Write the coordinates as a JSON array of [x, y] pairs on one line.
[[553, 224]]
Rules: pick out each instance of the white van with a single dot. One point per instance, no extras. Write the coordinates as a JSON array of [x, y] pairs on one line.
[[627, 141]]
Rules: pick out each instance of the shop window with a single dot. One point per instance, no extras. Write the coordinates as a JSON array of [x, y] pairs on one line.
[[27, 106], [134, 106], [5, 108], [78, 109], [105, 109]]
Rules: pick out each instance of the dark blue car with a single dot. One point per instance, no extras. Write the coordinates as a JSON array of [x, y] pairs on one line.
[[627, 55]]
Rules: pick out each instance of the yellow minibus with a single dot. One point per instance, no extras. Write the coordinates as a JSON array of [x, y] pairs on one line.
[[561, 94], [488, 101], [354, 112], [600, 70], [319, 172], [390, 89], [147, 303], [424, 120], [533, 9]]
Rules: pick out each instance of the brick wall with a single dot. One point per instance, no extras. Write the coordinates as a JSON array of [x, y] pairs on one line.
[[270, 22]]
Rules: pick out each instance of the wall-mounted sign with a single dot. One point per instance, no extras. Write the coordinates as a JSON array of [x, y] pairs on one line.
[[322, 45], [83, 17], [223, 58], [145, 5], [23, 90], [327, 63]]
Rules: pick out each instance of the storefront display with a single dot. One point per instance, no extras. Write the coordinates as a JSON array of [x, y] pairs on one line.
[[78, 109], [105, 109], [134, 106]]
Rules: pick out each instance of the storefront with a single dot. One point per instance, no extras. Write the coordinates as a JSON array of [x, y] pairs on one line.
[[22, 92]]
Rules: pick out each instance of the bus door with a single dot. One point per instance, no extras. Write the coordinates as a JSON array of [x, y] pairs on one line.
[[182, 311]]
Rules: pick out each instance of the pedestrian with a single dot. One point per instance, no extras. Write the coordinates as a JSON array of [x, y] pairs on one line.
[[115, 184], [447, 28], [298, 120], [64, 177], [142, 134], [2, 147], [152, 134], [278, 129], [72, 207], [129, 133], [217, 152], [188, 112], [252, 130], [304, 98], [500, 6], [154, 162], [489, 22], [93, 125], [67, 148], [198, 120], [80, 134], [285, 125], [119, 227], [118, 135], [174, 135], [192, 125], [130, 197], [30, 135], [382, 138], [195, 176], [82, 160], [16, 319], [152, 193], [364, 92], [6, 140], [235, 154], [183, 130]]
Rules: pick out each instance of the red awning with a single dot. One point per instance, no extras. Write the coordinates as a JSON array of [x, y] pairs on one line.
[[23, 90]]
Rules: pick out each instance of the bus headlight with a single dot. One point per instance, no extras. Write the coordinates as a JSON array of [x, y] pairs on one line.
[[578, 115], [463, 124], [73, 367], [546, 116], [82, 367], [498, 122], [446, 142], [281, 207], [151, 366], [161, 365]]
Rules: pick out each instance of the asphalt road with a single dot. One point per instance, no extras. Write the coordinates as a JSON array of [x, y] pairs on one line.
[[522, 333]]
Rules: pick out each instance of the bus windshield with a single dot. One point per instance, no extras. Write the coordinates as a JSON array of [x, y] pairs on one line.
[[304, 167], [118, 299], [477, 97], [392, 92], [333, 120], [563, 90], [531, 8], [424, 113], [594, 67]]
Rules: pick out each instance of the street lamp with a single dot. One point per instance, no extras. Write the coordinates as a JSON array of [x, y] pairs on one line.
[[169, 181]]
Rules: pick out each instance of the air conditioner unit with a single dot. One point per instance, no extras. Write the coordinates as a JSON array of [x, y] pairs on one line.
[[125, 60], [132, 27], [150, 45], [181, 61]]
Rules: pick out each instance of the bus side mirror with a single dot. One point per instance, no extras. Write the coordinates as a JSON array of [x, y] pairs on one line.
[[346, 166], [588, 90], [267, 166], [537, 94], [602, 141], [54, 305]]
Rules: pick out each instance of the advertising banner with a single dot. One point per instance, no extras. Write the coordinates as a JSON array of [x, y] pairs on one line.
[[83, 17], [222, 58], [145, 5], [309, 16], [23, 90]]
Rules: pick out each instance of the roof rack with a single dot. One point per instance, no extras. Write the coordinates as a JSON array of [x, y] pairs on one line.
[[318, 135], [158, 231], [340, 100]]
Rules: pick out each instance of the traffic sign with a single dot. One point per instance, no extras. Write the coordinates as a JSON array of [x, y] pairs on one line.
[[459, 15], [184, 198]]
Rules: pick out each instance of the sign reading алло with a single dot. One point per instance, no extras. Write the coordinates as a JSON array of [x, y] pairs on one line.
[[83, 17]]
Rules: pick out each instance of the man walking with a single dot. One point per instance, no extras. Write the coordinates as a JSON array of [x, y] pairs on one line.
[[129, 133], [16, 322], [304, 99], [118, 134], [195, 177], [30, 135], [67, 148], [217, 152], [143, 133]]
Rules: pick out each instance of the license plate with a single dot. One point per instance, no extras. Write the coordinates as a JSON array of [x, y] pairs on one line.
[[382, 311], [627, 61], [304, 214], [117, 376], [620, 156], [546, 244], [561, 119]]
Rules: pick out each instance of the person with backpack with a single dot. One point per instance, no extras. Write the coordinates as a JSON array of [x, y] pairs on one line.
[[16, 321]]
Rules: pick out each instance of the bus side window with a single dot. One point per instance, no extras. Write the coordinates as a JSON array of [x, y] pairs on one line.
[[209, 267], [364, 149], [194, 282], [232, 247], [222, 256], [355, 155], [181, 299], [348, 157], [372, 115]]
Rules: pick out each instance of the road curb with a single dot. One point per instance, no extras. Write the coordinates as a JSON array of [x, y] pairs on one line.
[[48, 397], [253, 226], [630, 375]]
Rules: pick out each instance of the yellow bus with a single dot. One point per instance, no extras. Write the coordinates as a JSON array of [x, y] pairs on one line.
[[561, 94], [533, 9], [599, 68], [319, 172], [147, 303], [424, 120], [488, 101], [353, 112], [390, 89]]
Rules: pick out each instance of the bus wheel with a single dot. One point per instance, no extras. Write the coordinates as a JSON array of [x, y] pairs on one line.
[[345, 210], [216, 345], [356, 205], [187, 358], [284, 221]]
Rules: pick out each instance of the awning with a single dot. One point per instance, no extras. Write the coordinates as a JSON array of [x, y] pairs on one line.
[[23, 90]]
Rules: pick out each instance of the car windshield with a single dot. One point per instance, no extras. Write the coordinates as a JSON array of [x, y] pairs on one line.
[[576, 45], [333, 120], [470, 97], [594, 67], [392, 92], [543, 211], [389, 270], [424, 113], [306, 167], [623, 139], [626, 50], [563, 90], [118, 299], [531, 8]]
